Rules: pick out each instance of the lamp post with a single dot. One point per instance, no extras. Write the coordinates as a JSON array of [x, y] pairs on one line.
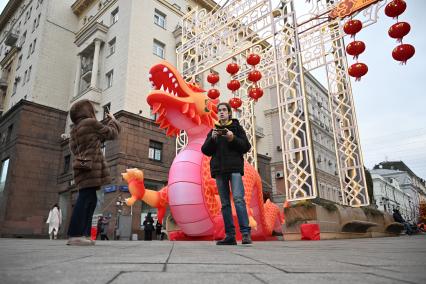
[[119, 206]]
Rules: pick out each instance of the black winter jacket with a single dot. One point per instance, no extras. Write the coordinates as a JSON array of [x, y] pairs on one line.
[[227, 157]]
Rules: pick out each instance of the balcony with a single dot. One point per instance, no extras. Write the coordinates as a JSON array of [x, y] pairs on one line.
[[92, 94], [259, 132], [8, 56], [11, 38]]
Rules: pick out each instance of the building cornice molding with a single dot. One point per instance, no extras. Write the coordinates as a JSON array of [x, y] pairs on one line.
[[9, 57], [90, 30], [80, 5], [8, 11], [171, 7]]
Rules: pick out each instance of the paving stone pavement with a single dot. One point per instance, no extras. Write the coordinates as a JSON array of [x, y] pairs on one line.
[[381, 260]]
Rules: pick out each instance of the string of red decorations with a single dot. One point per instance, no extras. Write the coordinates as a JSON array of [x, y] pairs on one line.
[[402, 52], [234, 85], [355, 48], [214, 93], [255, 92]]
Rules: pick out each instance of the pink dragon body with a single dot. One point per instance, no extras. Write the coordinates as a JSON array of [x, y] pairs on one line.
[[191, 193]]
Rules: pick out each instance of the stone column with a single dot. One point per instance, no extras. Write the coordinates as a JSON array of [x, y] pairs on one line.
[[77, 77], [94, 79]]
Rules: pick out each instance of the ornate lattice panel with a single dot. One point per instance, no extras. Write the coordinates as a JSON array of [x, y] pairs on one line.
[[289, 45]]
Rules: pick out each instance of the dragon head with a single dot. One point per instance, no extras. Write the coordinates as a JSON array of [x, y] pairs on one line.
[[179, 105]]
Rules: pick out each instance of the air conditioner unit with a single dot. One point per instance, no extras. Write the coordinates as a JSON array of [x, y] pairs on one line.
[[279, 174], [71, 182]]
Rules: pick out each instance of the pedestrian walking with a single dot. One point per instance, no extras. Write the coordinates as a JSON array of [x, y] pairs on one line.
[[89, 166], [158, 228], [148, 227], [226, 144], [55, 221]]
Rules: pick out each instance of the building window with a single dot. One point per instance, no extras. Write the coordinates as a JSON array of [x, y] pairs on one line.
[[159, 48], [19, 62], [153, 116], [155, 150], [160, 19], [34, 25], [111, 46], [110, 78], [38, 19], [29, 73], [24, 36], [34, 45], [106, 108], [9, 133], [15, 86], [3, 173], [29, 50], [29, 13], [67, 162], [114, 16], [25, 77]]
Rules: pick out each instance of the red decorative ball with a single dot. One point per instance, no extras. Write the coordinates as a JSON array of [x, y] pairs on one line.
[[255, 93], [395, 8], [233, 85], [213, 94], [355, 48], [399, 30], [235, 103], [352, 27], [253, 59], [232, 68], [403, 52], [358, 70], [254, 76], [213, 78]]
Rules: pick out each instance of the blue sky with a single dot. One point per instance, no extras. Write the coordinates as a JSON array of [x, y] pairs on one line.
[[390, 100]]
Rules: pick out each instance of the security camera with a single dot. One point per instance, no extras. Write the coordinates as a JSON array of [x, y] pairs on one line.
[[65, 136]]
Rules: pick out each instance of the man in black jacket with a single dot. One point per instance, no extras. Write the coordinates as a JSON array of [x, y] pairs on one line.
[[226, 144]]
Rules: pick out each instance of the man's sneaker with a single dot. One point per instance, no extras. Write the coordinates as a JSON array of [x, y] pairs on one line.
[[230, 241], [246, 239], [79, 241]]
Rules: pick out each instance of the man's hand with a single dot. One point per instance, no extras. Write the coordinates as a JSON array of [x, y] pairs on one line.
[[110, 115], [214, 133], [229, 135]]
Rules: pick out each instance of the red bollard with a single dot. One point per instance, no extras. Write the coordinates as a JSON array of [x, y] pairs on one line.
[[93, 233]]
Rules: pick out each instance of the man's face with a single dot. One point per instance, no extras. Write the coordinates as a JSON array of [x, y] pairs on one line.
[[223, 112]]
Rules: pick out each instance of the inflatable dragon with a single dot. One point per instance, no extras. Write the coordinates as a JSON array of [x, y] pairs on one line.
[[191, 193]]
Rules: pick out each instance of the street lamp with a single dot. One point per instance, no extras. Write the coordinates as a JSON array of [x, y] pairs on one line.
[[119, 205]]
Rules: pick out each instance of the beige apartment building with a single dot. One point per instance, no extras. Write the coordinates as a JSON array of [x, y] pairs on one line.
[[53, 53]]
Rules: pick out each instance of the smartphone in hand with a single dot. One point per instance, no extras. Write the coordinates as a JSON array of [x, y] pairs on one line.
[[221, 131]]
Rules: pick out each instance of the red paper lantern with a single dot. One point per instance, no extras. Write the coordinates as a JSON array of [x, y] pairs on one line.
[[254, 76], [233, 85], [399, 30], [213, 94], [395, 8], [232, 68], [352, 27], [253, 59], [355, 48], [235, 103], [213, 78], [403, 52], [358, 70], [255, 93]]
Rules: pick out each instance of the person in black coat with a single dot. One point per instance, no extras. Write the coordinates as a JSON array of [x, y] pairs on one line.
[[148, 227], [398, 218], [226, 144]]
